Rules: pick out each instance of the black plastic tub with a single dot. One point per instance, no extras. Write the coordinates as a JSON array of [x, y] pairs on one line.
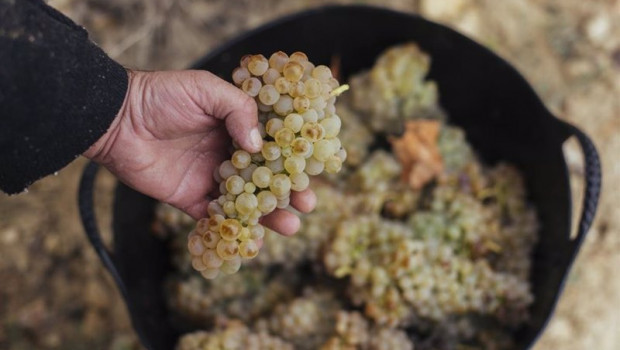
[[502, 116]]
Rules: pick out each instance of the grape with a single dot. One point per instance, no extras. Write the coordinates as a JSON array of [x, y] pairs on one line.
[[230, 229], [293, 98], [262, 176], [263, 107], [280, 184], [231, 265], [299, 56], [243, 62], [227, 250], [246, 203], [197, 264], [323, 150], [310, 116], [294, 122], [286, 152], [256, 231], [284, 137], [278, 60], [239, 75], [210, 273], [258, 65], [270, 76], [227, 169], [234, 184], [333, 164], [210, 259], [271, 151], [331, 126], [249, 187], [302, 147], [195, 245], [322, 73], [294, 164], [301, 104], [276, 165], [229, 208], [248, 249], [246, 173], [299, 181], [268, 95], [210, 239], [293, 71], [312, 131], [284, 202], [313, 88], [297, 89], [273, 126], [251, 86], [284, 105], [282, 85], [314, 166], [266, 201]]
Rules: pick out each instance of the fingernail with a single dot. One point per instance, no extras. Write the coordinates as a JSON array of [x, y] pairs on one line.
[[255, 138]]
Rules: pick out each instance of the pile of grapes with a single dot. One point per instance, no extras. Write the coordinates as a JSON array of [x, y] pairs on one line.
[[415, 245]]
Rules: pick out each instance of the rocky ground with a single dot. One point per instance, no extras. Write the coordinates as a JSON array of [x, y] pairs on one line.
[[55, 295]]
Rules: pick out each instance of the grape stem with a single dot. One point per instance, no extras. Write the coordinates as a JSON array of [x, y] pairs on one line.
[[339, 90]]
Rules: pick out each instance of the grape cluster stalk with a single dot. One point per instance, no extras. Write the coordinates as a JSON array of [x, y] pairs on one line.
[[299, 126]]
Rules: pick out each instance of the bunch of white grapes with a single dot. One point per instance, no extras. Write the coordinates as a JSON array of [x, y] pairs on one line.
[[299, 126]]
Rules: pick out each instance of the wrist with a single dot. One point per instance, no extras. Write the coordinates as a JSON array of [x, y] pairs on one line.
[[100, 151]]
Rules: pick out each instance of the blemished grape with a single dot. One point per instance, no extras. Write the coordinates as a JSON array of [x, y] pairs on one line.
[[251, 86], [258, 65], [293, 71], [293, 97], [278, 60]]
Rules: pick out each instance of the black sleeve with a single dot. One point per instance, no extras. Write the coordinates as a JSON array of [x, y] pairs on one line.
[[59, 92]]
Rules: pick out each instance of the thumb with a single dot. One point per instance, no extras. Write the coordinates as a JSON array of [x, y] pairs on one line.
[[239, 112]]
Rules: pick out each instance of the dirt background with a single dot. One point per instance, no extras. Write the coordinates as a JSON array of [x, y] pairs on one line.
[[55, 295]]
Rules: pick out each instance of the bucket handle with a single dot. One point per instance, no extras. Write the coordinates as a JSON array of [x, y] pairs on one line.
[[593, 182], [89, 221]]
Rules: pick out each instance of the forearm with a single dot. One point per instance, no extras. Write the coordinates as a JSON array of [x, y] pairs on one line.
[[59, 92]]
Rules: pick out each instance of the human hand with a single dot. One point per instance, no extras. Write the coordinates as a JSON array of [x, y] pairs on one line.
[[173, 130]]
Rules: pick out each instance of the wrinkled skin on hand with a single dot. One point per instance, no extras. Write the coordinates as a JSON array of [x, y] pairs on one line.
[[173, 130]]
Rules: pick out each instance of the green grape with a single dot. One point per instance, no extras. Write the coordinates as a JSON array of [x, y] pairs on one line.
[[262, 176], [294, 164], [294, 122], [267, 201], [246, 203], [280, 184], [234, 184], [271, 150]]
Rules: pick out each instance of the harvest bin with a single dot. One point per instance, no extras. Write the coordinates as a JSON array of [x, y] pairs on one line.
[[502, 116]]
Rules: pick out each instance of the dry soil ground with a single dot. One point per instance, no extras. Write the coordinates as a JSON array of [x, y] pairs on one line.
[[55, 295]]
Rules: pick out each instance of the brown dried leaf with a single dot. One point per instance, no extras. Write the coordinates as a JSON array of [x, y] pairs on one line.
[[418, 152]]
